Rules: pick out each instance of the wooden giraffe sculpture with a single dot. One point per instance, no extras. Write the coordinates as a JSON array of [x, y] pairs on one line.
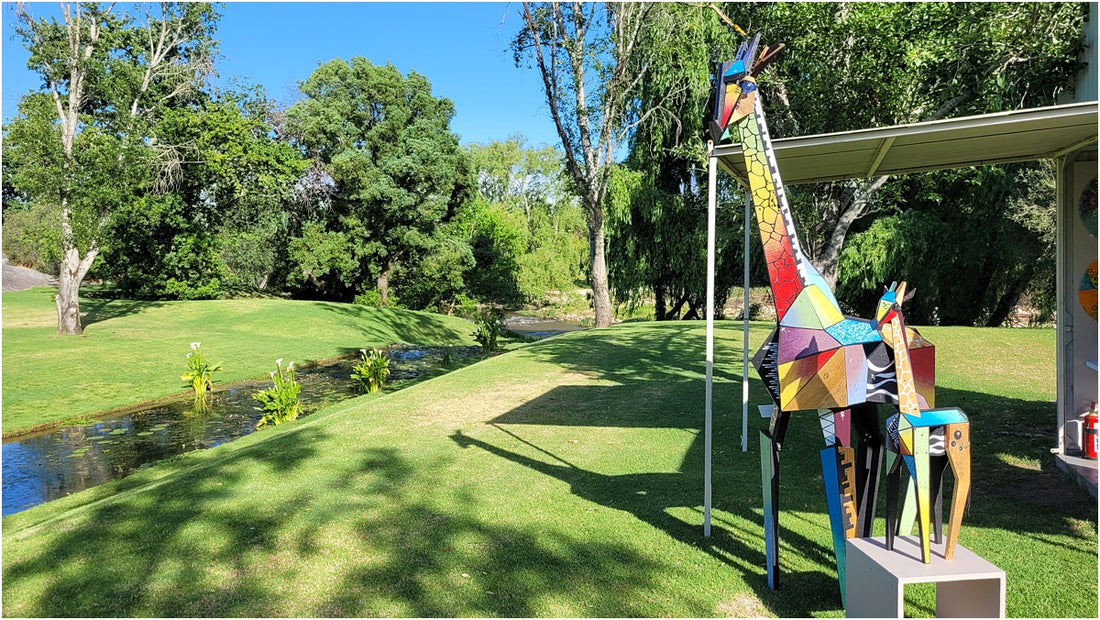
[[926, 439], [816, 358]]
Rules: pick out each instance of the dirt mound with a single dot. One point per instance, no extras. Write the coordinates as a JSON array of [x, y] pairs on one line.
[[20, 278]]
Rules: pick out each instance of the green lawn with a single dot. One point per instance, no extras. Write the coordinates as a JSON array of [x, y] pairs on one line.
[[563, 478], [136, 351]]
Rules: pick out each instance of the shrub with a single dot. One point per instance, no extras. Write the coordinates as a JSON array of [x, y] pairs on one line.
[[371, 370], [282, 402], [372, 298]]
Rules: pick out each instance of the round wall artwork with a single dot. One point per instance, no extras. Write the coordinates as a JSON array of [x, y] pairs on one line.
[[1087, 291], [1087, 207]]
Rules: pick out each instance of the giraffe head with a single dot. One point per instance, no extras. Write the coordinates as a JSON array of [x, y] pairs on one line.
[[889, 305], [735, 93]]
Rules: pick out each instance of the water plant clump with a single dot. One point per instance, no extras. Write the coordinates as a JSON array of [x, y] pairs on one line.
[[489, 325], [282, 402], [199, 371], [371, 370]]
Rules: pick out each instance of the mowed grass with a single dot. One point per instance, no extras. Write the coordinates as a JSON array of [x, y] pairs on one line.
[[564, 478], [136, 351]]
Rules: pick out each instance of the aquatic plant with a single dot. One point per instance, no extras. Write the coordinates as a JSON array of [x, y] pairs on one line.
[[489, 325], [371, 370], [282, 402], [199, 370]]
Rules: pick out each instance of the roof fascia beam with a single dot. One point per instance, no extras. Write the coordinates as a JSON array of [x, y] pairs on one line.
[[880, 154]]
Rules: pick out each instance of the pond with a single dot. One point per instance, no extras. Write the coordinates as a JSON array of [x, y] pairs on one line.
[[537, 327], [44, 466]]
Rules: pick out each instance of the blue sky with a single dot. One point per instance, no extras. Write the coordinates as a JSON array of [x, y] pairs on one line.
[[462, 48]]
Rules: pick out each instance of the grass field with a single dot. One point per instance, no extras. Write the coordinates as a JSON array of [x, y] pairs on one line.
[[564, 478], [136, 351]]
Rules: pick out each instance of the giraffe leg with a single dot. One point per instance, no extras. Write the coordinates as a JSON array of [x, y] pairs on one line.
[[865, 421], [893, 475], [958, 454], [769, 477], [908, 518], [937, 465], [921, 474]]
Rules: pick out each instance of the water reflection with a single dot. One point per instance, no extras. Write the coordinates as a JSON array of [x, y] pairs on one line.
[[44, 466]]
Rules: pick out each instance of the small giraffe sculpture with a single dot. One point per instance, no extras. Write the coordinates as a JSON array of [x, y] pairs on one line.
[[816, 358], [926, 439]]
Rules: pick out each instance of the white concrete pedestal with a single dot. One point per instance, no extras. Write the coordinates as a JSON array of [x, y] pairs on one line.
[[966, 587]]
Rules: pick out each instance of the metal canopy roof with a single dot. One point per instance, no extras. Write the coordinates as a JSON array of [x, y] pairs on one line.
[[1021, 135]]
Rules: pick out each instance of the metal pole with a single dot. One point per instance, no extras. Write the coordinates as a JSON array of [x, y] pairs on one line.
[[712, 201], [745, 328]]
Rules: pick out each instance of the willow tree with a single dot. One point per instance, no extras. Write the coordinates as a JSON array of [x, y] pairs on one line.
[[584, 52], [84, 141], [851, 66]]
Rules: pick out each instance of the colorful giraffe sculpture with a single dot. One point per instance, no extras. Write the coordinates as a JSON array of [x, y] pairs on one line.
[[926, 439], [816, 358]]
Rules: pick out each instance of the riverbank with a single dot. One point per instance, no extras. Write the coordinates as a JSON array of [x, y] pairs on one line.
[[136, 351]]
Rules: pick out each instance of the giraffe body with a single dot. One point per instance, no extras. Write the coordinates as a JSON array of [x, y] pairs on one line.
[[917, 435], [816, 358]]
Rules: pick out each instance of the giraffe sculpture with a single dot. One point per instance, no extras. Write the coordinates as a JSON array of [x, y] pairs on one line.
[[816, 358], [926, 439]]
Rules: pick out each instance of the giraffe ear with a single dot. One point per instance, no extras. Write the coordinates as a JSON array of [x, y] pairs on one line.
[[910, 295]]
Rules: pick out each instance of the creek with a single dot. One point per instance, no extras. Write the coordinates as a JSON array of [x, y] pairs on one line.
[[43, 466], [47, 465]]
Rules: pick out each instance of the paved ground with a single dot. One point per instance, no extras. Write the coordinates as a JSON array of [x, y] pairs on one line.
[[20, 278]]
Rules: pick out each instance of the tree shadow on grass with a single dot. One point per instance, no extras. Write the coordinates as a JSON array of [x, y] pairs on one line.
[[661, 499], [653, 380], [428, 563], [408, 326], [111, 559], [98, 309], [361, 525]]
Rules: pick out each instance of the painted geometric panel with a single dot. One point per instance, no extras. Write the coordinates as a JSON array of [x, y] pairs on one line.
[[812, 309], [797, 342], [794, 375], [855, 370], [853, 331], [924, 373], [826, 388]]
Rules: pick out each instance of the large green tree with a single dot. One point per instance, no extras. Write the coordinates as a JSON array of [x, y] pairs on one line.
[[106, 78], [971, 243], [385, 142], [846, 66], [224, 223], [858, 65]]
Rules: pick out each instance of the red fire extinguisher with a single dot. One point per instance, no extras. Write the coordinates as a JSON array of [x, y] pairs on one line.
[[1092, 441]]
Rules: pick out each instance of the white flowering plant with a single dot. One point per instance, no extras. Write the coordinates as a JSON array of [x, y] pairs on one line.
[[371, 370], [282, 402], [199, 371]]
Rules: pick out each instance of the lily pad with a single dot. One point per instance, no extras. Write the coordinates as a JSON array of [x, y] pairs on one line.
[[119, 431], [144, 433]]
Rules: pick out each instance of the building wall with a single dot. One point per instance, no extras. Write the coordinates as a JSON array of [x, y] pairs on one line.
[[1077, 322]]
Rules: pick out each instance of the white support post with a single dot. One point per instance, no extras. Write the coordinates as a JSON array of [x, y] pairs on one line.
[[712, 207], [745, 328]]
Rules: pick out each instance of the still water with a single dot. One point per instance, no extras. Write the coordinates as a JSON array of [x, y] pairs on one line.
[[44, 466]]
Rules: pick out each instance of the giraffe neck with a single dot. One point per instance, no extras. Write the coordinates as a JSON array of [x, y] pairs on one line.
[[903, 366], [788, 269]]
